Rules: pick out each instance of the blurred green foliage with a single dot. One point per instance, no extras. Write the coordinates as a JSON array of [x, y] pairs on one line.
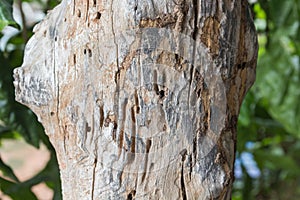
[[6, 17], [269, 123], [270, 115]]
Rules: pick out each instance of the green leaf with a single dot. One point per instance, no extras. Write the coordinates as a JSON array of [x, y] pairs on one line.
[[259, 12], [6, 17], [3, 129], [17, 191], [22, 190], [281, 10], [7, 171], [277, 162], [278, 85]]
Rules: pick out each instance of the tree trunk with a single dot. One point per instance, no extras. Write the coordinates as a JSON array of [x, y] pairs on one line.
[[141, 98]]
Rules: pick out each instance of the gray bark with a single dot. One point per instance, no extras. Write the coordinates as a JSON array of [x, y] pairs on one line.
[[141, 98]]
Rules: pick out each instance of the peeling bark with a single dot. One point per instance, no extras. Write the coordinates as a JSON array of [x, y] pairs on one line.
[[141, 98]]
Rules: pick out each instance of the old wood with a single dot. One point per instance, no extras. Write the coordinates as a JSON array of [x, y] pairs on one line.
[[141, 98]]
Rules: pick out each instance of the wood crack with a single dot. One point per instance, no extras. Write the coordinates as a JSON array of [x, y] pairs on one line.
[[114, 34], [87, 10], [196, 28], [94, 177], [183, 154], [148, 146]]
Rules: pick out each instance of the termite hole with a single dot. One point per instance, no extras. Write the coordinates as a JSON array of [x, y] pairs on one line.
[[74, 59], [98, 15], [164, 127], [161, 93], [131, 195], [78, 13]]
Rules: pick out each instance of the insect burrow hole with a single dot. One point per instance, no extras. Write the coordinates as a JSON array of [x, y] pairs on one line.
[[98, 15], [78, 13]]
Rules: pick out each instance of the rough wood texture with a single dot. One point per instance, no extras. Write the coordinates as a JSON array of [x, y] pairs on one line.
[[141, 98]]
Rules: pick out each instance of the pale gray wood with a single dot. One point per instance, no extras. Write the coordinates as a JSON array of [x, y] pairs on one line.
[[141, 98]]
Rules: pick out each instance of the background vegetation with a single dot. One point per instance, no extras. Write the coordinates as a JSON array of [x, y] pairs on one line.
[[268, 157]]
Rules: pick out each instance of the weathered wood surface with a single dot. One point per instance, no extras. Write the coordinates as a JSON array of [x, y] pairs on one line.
[[141, 98]]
